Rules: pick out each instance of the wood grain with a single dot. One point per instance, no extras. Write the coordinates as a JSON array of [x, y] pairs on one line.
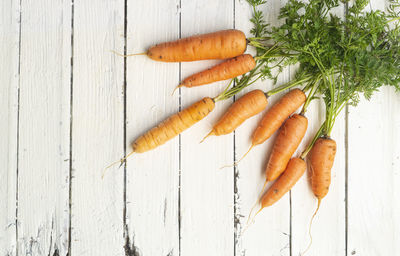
[[44, 121], [9, 80], [207, 222], [270, 231], [153, 177], [97, 128]]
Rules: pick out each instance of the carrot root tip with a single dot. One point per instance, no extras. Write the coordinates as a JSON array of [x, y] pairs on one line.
[[128, 55], [121, 161], [176, 88], [208, 135], [309, 228]]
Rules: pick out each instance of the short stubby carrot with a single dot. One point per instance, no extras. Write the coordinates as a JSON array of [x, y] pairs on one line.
[[294, 170], [226, 70], [277, 114], [286, 143], [217, 45], [321, 158], [173, 126], [245, 107]]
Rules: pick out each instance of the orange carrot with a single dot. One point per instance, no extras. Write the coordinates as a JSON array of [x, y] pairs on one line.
[[173, 126], [170, 128], [228, 69], [245, 107], [321, 160], [218, 45], [286, 143], [277, 114], [294, 170]]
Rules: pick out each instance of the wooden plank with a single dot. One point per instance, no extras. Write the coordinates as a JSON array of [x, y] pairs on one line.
[[329, 226], [373, 173], [152, 178], [271, 230], [374, 169], [43, 169], [207, 223], [98, 128], [9, 78]]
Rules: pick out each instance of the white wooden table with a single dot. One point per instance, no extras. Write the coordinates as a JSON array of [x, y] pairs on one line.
[[69, 107]]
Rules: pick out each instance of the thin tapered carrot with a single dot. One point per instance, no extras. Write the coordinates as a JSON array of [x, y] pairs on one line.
[[286, 143], [245, 107], [277, 114], [217, 45], [293, 172], [171, 127], [228, 69]]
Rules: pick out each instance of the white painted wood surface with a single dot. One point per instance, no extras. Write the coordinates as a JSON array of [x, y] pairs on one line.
[[43, 134], [62, 95]]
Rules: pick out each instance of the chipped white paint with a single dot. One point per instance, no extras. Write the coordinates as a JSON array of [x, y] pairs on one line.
[[97, 128], [43, 157], [152, 178], [206, 192], [181, 179]]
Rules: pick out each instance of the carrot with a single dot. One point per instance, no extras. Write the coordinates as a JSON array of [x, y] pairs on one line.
[[245, 107], [228, 69], [293, 172], [277, 114], [218, 45], [171, 127], [321, 160], [286, 143]]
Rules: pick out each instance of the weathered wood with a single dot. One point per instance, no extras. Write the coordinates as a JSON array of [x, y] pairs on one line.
[[97, 128], [207, 222], [373, 173], [152, 177], [44, 121], [270, 231], [9, 79]]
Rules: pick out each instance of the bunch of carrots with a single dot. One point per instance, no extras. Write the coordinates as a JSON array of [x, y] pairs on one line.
[[339, 59]]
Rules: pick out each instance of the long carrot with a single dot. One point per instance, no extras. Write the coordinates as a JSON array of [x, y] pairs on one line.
[[217, 45], [277, 114], [171, 127], [293, 172], [230, 68], [286, 143], [245, 107]]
